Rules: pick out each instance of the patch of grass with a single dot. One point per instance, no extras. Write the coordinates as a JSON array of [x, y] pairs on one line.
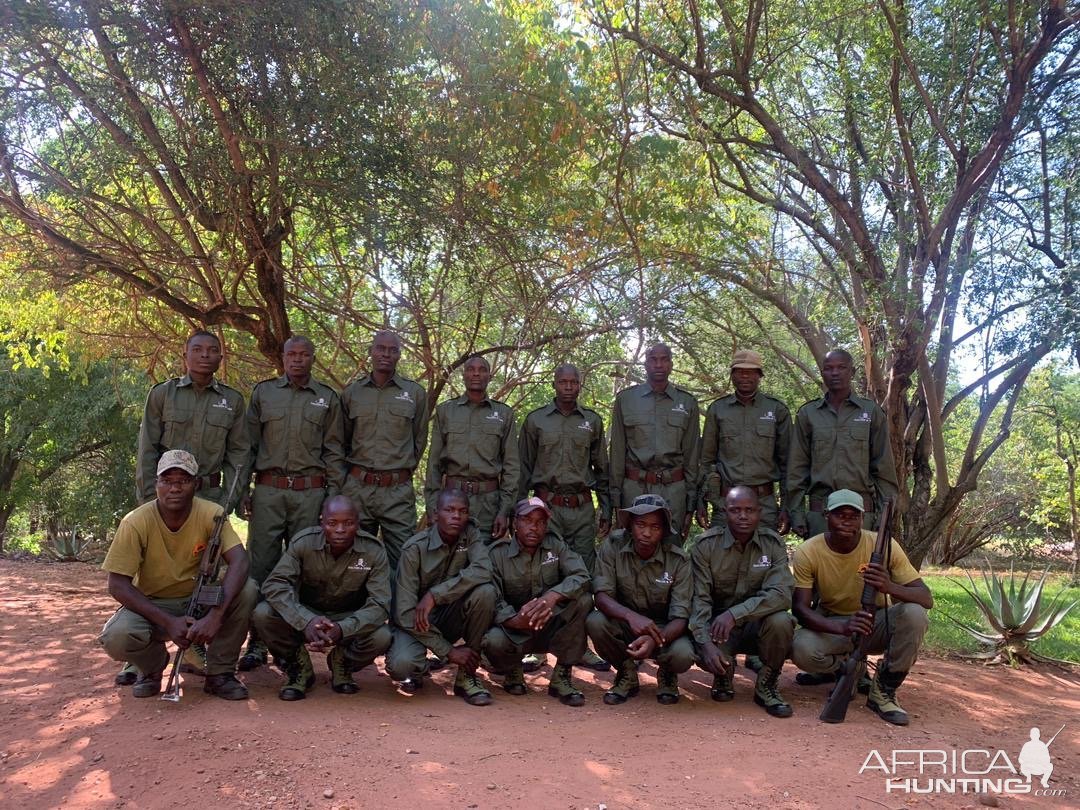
[[950, 599]]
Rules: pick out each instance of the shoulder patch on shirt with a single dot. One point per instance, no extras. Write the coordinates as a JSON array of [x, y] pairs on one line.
[[360, 565], [549, 558], [865, 417], [680, 408], [762, 562], [223, 404], [769, 416], [585, 426], [404, 396], [495, 416], [320, 403], [665, 579]]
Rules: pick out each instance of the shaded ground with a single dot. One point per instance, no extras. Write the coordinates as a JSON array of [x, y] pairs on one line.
[[69, 738]]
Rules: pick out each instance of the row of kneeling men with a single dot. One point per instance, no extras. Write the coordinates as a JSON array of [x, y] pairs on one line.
[[456, 601]]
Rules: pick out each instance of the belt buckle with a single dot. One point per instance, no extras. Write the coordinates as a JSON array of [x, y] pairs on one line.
[[289, 481], [469, 487], [380, 479]]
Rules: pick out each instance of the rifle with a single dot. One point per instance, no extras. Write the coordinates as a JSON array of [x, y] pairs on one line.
[[206, 594], [836, 706]]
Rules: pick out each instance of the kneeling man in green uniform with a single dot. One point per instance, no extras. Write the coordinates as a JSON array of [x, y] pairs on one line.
[[543, 599], [153, 562], [330, 591], [742, 591], [443, 593], [643, 588], [835, 565]]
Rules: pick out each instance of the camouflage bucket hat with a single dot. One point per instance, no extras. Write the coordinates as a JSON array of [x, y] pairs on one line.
[[643, 505]]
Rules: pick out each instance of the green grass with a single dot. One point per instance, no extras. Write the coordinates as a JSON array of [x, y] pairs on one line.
[[950, 599]]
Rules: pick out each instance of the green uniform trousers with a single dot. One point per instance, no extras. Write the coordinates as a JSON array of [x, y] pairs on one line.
[[770, 514], [389, 509], [468, 618], [674, 493], [577, 527], [284, 640], [484, 508], [610, 637], [563, 636], [276, 515], [824, 652], [769, 638], [130, 636]]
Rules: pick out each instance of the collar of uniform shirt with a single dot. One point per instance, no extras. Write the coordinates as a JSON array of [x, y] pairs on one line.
[[657, 556], [669, 390], [733, 399], [729, 540], [553, 407], [358, 541], [283, 381], [367, 379], [515, 546], [435, 539], [824, 401], [464, 400], [186, 380]]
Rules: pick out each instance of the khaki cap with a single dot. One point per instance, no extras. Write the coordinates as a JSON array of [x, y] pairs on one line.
[[747, 358], [178, 460]]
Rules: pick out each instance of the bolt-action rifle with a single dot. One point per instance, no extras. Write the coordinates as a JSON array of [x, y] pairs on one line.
[[852, 669], [207, 593]]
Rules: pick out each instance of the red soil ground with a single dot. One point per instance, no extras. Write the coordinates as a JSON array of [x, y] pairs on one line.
[[69, 738]]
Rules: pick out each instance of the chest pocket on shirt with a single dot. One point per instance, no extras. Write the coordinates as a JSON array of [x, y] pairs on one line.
[[219, 420], [353, 581], [175, 426], [639, 427], [312, 424], [398, 425], [659, 593], [765, 436], [859, 431], [273, 425], [488, 440], [824, 439]]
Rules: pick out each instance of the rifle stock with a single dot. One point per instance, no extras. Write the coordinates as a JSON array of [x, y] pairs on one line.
[[206, 593], [836, 706]]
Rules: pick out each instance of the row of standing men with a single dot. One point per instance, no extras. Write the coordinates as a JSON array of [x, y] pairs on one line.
[[301, 442]]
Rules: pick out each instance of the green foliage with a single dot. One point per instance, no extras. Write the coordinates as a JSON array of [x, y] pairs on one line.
[[945, 636], [1015, 614]]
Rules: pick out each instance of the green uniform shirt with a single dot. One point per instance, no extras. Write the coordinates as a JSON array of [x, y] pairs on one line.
[[385, 428], [308, 582], [449, 573], [745, 444], [474, 441], [845, 449], [564, 453], [651, 431], [297, 431], [751, 583], [660, 587], [208, 423], [520, 577]]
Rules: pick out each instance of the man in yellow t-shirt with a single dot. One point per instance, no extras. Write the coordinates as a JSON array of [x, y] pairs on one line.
[[153, 562], [835, 565]]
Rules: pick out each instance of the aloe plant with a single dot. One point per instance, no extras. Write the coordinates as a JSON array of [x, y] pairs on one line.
[[1017, 614]]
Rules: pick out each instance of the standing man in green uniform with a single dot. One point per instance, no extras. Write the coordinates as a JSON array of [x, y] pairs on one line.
[[563, 461], [443, 593], [297, 432], [745, 442], [840, 441], [654, 441], [385, 434], [202, 415], [474, 450], [742, 592], [643, 587], [543, 600], [153, 563], [833, 567], [329, 591]]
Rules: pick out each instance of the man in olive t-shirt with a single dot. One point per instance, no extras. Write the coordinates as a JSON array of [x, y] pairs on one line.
[[153, 562]]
